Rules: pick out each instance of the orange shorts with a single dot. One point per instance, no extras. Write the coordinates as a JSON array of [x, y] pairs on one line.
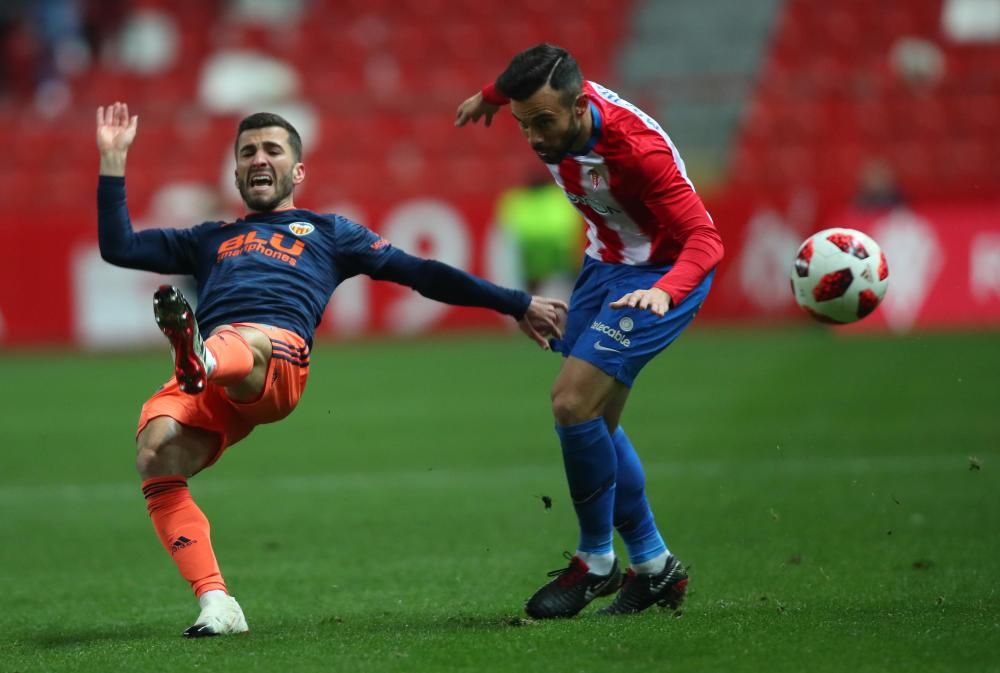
[[213, 410]]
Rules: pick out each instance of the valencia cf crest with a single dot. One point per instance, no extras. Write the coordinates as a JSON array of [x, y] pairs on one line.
[[301, 228]]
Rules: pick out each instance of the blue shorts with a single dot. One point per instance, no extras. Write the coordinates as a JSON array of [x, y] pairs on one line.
[[620, 342]]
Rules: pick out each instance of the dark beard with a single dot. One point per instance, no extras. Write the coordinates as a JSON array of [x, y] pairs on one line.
[[556, 156], [282, 188]]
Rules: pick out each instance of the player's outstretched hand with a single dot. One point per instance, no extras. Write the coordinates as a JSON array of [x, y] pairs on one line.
[[115, 129], [654, 299], [473, 108], [544, 318]]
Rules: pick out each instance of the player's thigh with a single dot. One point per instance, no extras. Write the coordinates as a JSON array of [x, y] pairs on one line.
[[614, 406], [284, 378], [260, 345], [620, 342], [168, 447], [581, 392], [257, 339]]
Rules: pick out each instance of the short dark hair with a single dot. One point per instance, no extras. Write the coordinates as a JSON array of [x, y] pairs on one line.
[[263, 120], [542, 64]]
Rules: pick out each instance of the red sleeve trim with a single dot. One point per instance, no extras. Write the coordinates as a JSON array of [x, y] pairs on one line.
[[492, 96]]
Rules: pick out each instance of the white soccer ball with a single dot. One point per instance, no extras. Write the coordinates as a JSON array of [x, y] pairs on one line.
[[839, 275]]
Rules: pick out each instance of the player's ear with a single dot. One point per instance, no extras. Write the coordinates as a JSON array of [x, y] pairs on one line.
[[298, 173], [581, 104]]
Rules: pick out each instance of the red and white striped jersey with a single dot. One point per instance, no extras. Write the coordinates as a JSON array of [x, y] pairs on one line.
[[633, 191]]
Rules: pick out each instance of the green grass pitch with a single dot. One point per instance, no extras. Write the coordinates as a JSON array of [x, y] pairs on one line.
[[837, 498]]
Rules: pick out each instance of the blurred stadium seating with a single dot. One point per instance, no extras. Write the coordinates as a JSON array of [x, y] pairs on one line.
[[829, 96], [380, 76], [777, 105]]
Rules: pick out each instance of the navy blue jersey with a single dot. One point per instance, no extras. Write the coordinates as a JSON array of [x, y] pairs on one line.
[[275, 268], [280, 268]]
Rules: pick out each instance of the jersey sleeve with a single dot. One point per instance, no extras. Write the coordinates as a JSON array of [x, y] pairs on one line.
[[441, 282], [358, 249], [678, 208], [158, 250]]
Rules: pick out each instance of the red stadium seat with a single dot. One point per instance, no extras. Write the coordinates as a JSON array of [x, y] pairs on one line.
[[444, 50], [827, 91]]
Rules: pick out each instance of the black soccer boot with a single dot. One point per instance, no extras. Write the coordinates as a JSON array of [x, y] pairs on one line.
[[174, 317], [641, 590], [574, 587]]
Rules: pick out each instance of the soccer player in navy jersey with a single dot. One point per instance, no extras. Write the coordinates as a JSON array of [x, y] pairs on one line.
[[651, 256], [263, 283]]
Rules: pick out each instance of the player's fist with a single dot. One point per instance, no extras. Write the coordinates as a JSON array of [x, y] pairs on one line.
[[544, 319], [115, 129], [473, 108]]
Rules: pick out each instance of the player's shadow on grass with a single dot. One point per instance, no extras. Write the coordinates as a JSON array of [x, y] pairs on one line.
[[53, 640], [435, 622]]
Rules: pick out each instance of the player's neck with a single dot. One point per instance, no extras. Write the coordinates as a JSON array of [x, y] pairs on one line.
[[283, 206], [586, 130]]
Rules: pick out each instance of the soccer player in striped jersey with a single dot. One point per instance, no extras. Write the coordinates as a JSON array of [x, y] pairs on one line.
[[263, 284], [651, 255]]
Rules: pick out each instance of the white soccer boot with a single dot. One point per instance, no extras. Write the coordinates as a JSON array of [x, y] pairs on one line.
[[220, 615]]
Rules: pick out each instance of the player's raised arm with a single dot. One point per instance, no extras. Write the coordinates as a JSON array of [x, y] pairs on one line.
[[484, 104], [115, 133], [159, 250], [473, 108]]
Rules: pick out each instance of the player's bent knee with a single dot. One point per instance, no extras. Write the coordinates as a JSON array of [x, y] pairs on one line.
[[581, 392], [260, 345], [154, 459], [159, 457], [570, 408], [164, 448]]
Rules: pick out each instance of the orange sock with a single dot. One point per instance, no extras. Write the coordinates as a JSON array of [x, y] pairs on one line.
[[233, 357], [184, 531]]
